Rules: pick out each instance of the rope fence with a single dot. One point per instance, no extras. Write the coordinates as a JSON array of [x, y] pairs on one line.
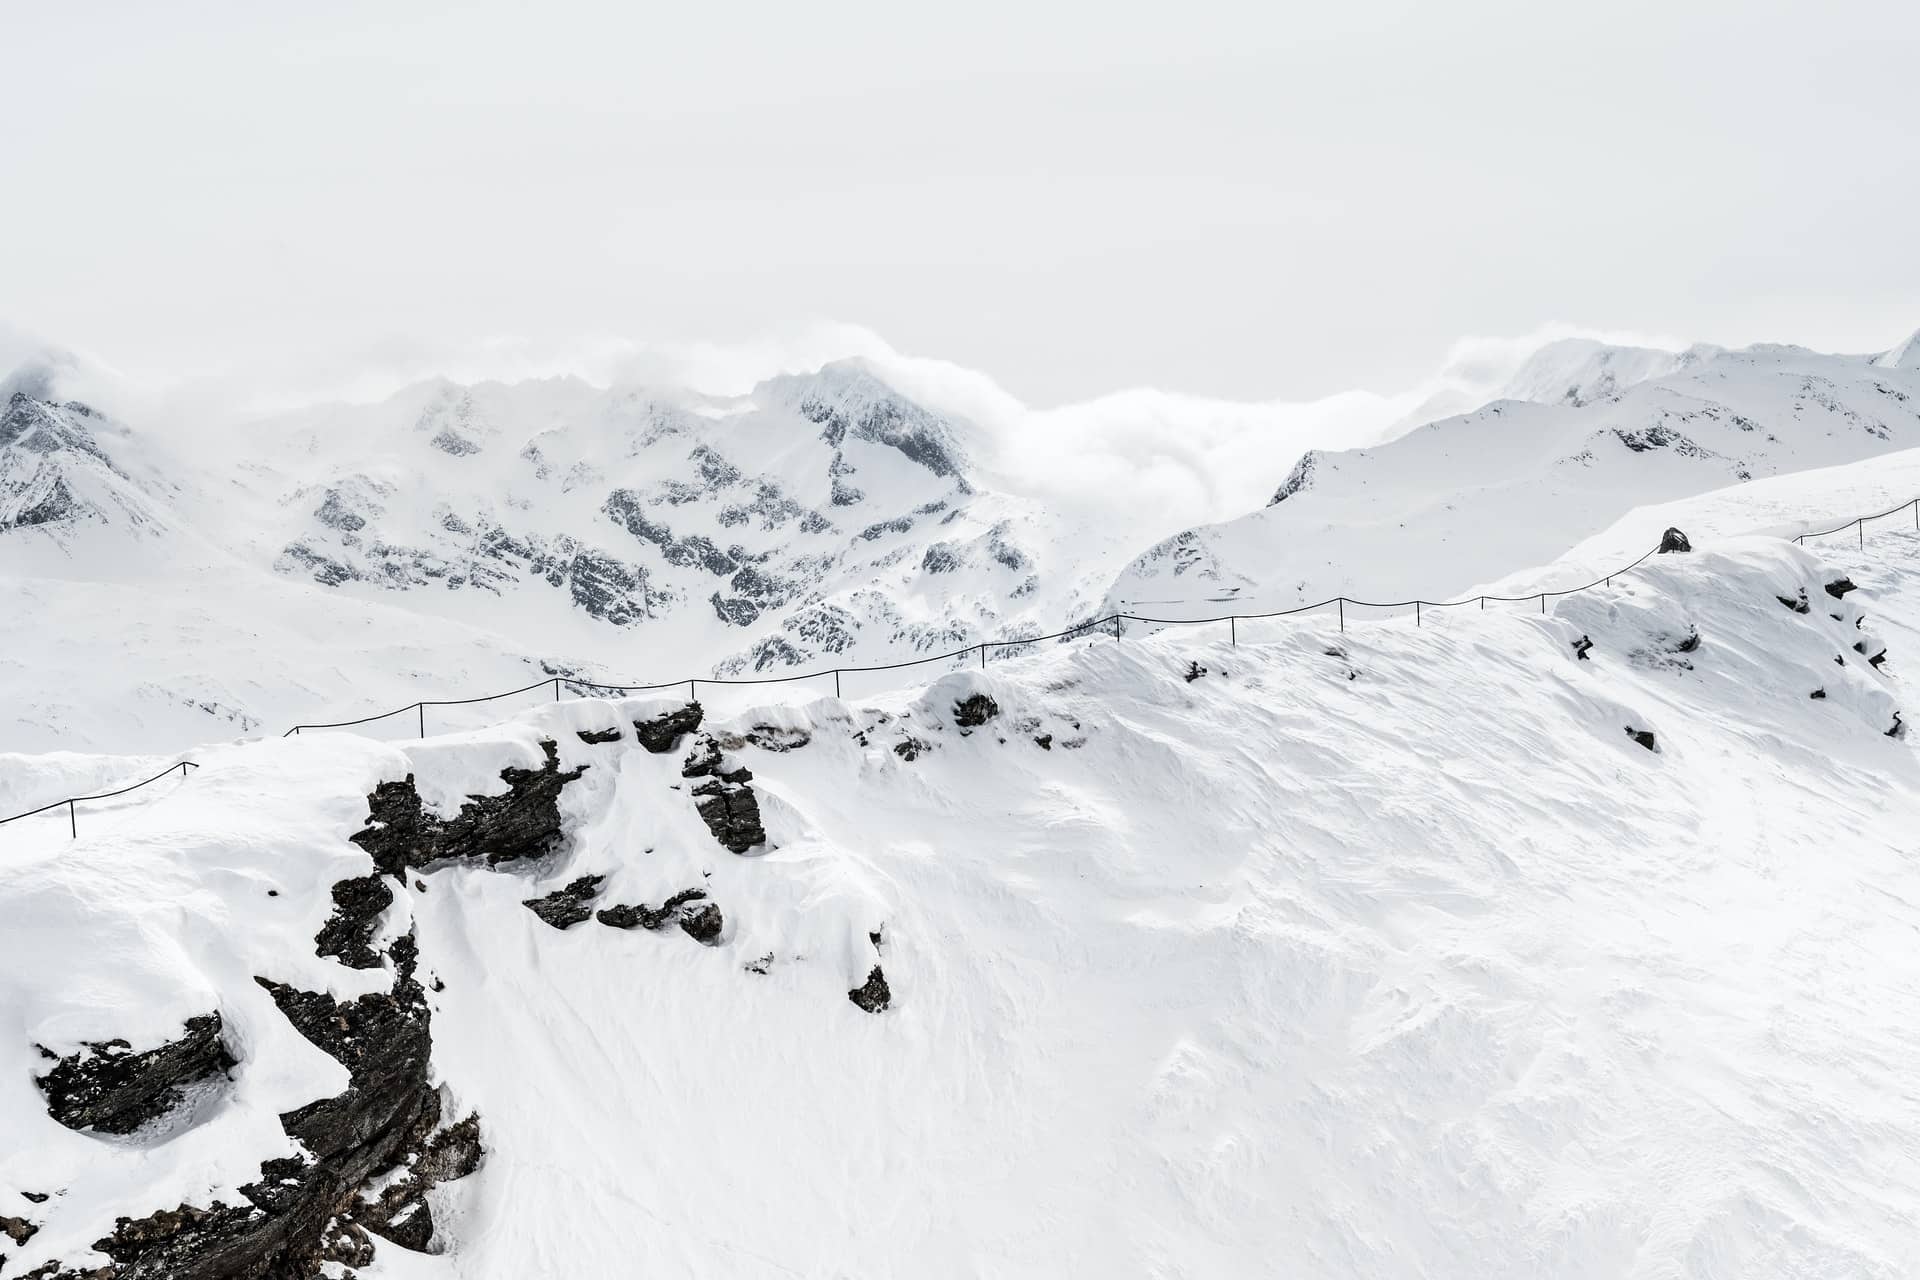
[[1091, 627]]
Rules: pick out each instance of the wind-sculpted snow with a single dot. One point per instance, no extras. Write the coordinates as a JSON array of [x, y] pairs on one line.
[[1386, 952]]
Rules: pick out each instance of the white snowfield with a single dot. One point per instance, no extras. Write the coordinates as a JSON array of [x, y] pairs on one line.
[[1517, 482], [1389, 953]]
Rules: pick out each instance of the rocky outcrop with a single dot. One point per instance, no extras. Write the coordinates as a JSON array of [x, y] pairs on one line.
[[974, 710], [347, 936], [308, 1210], [1642, 736], [108, 1087], [698, 918], [522, 823], [564, 908], [663, 732], [873, 995], [1839, 587], [596, 737], [1796, 604], [1674, 540], [724, 801]]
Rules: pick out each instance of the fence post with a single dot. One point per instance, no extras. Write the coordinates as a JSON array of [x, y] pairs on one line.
[[1341, 604], [693, 695], [1233, 630], [1860, 527], [73, 823], [421, 707], [183, 768], [1543, 602], [1116, 626], [556, 688], [983, 656], [836, 682], [1483, 604], [1416, 613]]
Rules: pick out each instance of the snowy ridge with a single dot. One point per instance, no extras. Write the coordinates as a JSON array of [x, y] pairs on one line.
[[1564, 996], [1470, 498]]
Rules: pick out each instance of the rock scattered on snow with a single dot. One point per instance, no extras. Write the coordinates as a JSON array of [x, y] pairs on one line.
[[1797, 605], [1840, 586], [1642, 736], [564, 908], [873, 995], [1674, 540], [594, 737], [974, 710]]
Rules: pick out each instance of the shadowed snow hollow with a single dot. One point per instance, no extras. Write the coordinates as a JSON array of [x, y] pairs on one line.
[[1400, 952]]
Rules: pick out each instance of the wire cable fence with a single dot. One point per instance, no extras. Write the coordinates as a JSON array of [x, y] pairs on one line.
[[71, 803], [1110, 624]]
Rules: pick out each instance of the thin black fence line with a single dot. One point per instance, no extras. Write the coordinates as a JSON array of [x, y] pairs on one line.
[[73, 822], [1092, 626]]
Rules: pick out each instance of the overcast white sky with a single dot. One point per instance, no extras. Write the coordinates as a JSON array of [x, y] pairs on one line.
[[1244, 200]]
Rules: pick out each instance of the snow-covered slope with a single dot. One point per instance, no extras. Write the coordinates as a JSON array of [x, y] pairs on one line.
[[1515, 483], [1385, 953]]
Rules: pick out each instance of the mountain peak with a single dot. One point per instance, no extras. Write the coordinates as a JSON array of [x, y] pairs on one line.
[[1904, 356]]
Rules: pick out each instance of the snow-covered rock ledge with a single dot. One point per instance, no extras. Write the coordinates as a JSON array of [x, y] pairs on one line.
[[1387, 952]]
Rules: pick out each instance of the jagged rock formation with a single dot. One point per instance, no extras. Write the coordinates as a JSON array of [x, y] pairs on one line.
[[347, 935], [1674, 540], [564, 908], [111, 1088], [663, 732], [522, 823], [724, 801]]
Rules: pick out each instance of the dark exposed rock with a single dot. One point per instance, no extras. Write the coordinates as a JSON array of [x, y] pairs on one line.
[[1044, 741], [1899, 730], [108, 1087], [1840, 586], [1818, 693], [1673, 540], [703, 924], [974, 710], [1582, 647], [873, 995], [564, 908], [1642, 736], [300, 1212], [18, 1230], [37, 1197], [1797, 605], [594, 737], [650, 918], [348, 935], [703, 761], [1194, 672], [1689, 644], [401, 1213], [761, 965], [775, 738], [732, 812], [522, 823], [662, 733], [909, 749]]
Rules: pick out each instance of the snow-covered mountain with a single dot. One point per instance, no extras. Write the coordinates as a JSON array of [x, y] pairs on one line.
[[1584, 434], [822, 520], [1089, 964]]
